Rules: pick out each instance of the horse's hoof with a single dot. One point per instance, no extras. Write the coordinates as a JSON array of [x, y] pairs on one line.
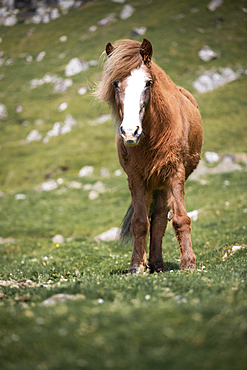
[[189, 266], [156, 267], [137, 269]]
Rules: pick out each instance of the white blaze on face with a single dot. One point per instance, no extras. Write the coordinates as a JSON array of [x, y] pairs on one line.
[[132, 101]]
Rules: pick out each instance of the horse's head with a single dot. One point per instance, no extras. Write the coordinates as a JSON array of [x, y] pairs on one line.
[[132, 95]]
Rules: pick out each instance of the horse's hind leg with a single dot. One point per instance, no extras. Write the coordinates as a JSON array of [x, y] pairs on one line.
[[181, 221], [157, 231]]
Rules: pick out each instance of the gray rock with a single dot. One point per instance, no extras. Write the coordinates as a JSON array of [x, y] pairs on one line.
[[193, 215], [138, 31], [54, 13], [40, 56], [62, 85], [92, 29], [75, 66], [7, 240], [104, 172], [56, 129], [46, 19], [93, 195], [74, 185], [39, 122], [177, 16], [226, 165], [47, 186], [36, 19], [206, 54], [3, 112], [63, 38], [61, 298], [212, 157], [19, 109], [10, 21], [86, 171], [126, 12], [112, 234], [92, 63], [69, 120], [58, 239], [214, 4], [35, 82], [100, 120], [66, 4], [211, 80], [106, 21], [82, 90], [20, 196], [118, 172], [62, 106], [34, 135]]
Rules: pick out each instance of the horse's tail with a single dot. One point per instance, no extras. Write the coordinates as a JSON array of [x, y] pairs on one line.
[[126, 233]]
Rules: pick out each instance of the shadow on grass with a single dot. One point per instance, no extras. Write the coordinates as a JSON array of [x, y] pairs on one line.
[[168, 267]]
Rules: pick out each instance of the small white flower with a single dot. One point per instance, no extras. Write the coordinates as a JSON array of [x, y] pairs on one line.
[[100, 300], [147, 297]]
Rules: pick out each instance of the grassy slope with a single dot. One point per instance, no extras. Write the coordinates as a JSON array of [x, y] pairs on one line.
[[194, 319]]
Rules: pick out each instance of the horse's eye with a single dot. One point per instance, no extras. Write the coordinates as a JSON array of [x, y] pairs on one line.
[[148, 83], [115, 84]]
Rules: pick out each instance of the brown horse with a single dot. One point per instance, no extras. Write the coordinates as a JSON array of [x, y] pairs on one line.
[[159, 139]]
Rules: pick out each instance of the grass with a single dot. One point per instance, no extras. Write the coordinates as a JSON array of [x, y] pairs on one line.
[[178, 319]]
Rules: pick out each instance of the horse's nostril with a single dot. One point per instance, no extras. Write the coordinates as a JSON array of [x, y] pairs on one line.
[[136, 133]]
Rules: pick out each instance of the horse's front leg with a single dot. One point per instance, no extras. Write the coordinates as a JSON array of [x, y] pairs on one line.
[[158, 227], [181, 221], [141, 201]]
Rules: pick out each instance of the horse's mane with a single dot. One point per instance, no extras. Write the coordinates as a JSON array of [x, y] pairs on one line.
[[124, 58]]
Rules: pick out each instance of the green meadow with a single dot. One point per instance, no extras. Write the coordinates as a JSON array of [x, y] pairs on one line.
[[108, 318]]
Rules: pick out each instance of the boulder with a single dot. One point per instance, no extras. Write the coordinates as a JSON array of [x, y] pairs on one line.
[[206, 54], [62, 107], [212, 79], [212, 157], [214, 4], [10, 20], [86, 171], [75, 66], [20, 196], [100, 120], [109, 235], [139, 31], [47, 186], [61, 298], [34, 135], [105, 21], [62, 85], [58, 239], [3, 112], [82, 90], [40, 56], [126, 12]]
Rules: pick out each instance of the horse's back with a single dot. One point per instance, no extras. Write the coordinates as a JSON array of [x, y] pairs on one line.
[[188, 95]]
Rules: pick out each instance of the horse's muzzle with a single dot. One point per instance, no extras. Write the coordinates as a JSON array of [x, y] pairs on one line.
[[129, 138]]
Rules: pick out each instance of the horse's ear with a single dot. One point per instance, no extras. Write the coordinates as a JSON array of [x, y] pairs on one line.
[[146, 51], [109, 49]]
